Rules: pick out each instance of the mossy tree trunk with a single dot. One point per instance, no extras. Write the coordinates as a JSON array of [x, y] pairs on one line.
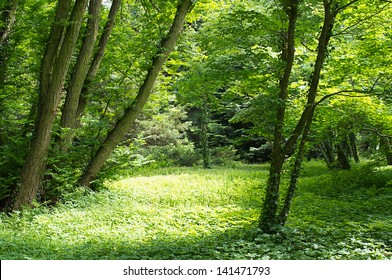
[[78, 76], [54, 69], [77, 96], [269, 217]]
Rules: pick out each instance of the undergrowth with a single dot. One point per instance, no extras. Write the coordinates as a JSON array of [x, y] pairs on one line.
[[191, 213]]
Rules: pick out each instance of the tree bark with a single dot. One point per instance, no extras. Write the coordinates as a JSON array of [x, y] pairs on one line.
[[328, 153], [8, 17], [342, 156], [386, 148], [98, 56], [124, 124], [295, 173], [353, 146], [268, 215], [204, 134], [68, 116], [35, 162], [53, 47]]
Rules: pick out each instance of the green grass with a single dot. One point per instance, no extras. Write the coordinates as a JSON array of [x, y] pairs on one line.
[[191, 213]]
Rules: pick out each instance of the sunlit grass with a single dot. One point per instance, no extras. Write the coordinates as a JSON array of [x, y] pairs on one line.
[[192, 213]]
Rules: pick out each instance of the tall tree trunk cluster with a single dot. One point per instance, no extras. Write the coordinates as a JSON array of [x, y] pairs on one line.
[[124, 124], [61, 46], [54, 69], [338, 154]]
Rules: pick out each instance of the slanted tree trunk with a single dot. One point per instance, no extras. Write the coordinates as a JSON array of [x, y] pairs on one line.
[[56, 67], [131, 113], [269, 216], [78, 95], [68, 116]]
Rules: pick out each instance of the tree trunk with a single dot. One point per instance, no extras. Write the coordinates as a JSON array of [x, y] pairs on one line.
[[52, 49], [295, 173], [353, 146], [204, 135], [268, 215], [68, 116], [78, 99], [328, 153], [343, 158], [124, 124], [386, 148], [8, 16], [35, 162]]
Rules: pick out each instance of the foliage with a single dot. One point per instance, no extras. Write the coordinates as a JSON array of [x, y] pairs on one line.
[[192, 213]]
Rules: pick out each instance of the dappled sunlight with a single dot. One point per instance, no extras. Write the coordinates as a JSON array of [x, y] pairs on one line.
[[201, 214]]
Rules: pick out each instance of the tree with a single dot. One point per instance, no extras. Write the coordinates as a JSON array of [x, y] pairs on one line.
[[54, 69], [269, 218], [8, 16], [124, 123], [85, 71], [79, 73]]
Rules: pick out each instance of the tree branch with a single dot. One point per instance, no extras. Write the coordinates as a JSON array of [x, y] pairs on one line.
[[341, 93], [360, 21]]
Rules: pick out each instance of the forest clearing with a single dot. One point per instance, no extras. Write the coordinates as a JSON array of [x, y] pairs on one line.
[[195, 129], [193, 213]]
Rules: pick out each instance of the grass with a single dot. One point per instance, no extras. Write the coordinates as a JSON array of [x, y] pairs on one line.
[[191, 213]]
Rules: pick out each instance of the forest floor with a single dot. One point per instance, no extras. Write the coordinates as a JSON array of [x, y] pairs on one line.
[[192, 213]]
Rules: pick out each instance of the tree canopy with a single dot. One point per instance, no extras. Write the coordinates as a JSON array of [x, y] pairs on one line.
[[88, 87]]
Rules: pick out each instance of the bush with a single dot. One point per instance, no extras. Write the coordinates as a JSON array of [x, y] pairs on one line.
[[170, 155]]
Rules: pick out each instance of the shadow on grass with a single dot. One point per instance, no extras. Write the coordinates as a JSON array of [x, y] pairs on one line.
[[322, 225]]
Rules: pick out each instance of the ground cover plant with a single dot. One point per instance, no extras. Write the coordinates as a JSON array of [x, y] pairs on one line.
[[193, 213]]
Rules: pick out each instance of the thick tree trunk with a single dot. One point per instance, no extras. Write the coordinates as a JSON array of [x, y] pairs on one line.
[[68, 116], [268, 215], [124, 124], [53, 48], [35, 162]]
